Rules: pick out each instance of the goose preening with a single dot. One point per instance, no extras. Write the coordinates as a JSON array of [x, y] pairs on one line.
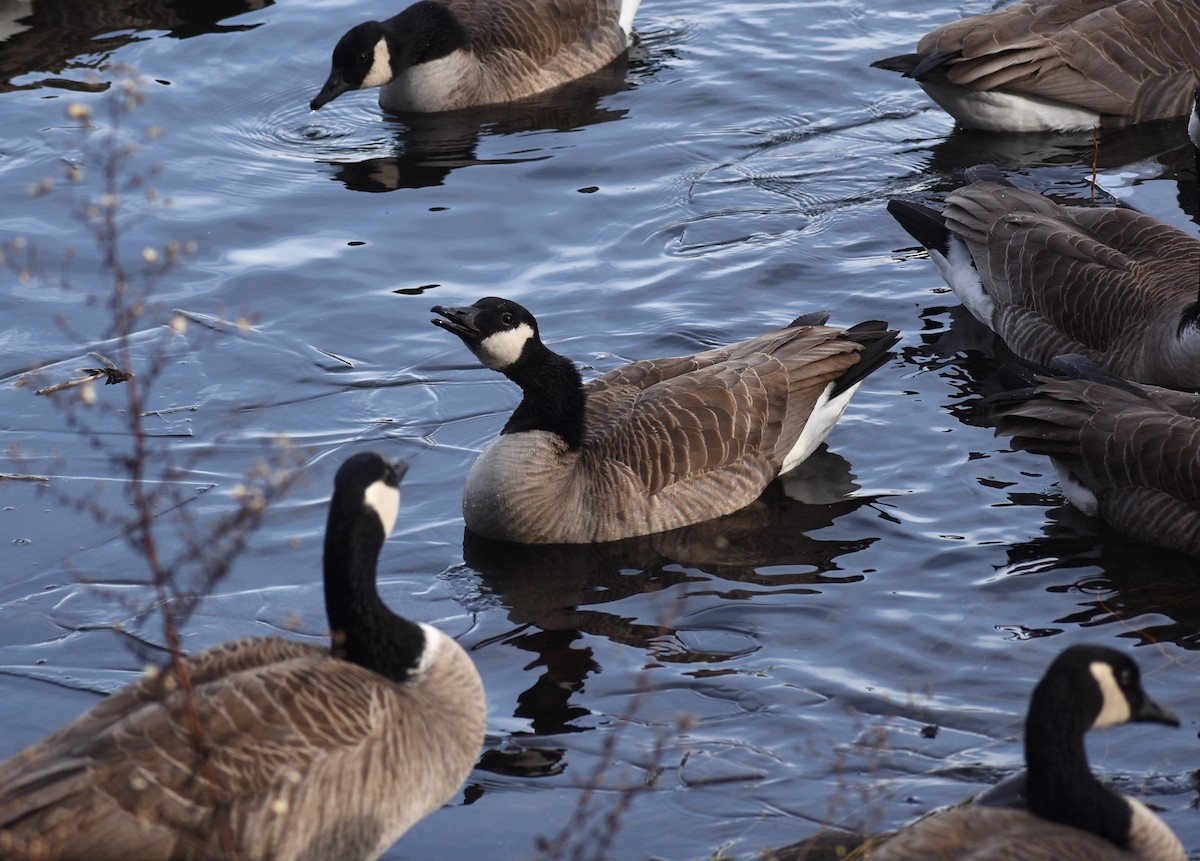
[[441, 55], [1061, 65], [656, 444], [319, 753], [1110, 284], [1070, 814], [1125, 453]]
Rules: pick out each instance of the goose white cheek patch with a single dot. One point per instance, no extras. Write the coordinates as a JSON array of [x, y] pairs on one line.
[[502, 349], [381, 67], [1115, 708], [385, 501]]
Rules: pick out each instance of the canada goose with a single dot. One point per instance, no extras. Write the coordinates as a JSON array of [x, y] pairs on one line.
[[1061, 65], [441, 55], [1125, 453], [318, 753], [1114, 285], [1070, 814], [656, 444]]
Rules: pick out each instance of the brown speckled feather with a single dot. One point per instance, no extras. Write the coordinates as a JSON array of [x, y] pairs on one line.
[[997, 834], [515, 49], [291, 730], [539, 31], [1136, 449], [669, 442], [1110, 284], [1129, 61]]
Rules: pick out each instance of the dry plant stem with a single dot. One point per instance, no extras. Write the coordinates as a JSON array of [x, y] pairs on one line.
[[144, 529], [124, 318]]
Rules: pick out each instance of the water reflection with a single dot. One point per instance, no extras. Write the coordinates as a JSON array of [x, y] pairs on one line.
[[1162, 150], [1150, 592], [427, 147], [53, 33]]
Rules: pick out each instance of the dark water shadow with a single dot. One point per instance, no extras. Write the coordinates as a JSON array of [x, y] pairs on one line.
[[555, 595], [428, 147], [1161, 150], [1148, 591], [60, 34]]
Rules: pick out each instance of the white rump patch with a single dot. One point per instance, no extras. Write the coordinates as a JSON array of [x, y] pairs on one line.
[[381, 67], [1115, 708], [628, 10], [433, 647], [1076, 492], [824, 416], [384, 500], [996, 111], [958, 270], [502, 349]]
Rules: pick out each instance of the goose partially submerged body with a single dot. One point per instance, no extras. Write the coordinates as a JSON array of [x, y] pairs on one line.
[[318, 753], [1110, 284], [1125, 453], [1061, 65], [441, 55], [1070, 815], [656, 444]]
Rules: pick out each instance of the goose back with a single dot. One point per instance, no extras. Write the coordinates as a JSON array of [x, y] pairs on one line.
[[1111, 284], [1062, 65], [1125, 453]]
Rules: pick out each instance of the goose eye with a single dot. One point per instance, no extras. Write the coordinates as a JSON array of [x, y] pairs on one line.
[[1126, 678], [506, 319], [362, 58]]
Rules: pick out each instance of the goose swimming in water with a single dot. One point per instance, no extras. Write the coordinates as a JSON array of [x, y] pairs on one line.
[[319, 753], [656, 444], [442, 55]]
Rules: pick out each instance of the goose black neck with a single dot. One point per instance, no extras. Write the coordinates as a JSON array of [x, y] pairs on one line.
[[1060, 785], [362, 628], [423, 32], [554, 398]]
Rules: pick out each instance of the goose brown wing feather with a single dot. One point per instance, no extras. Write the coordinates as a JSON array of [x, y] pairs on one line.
[[268, 728], [1078, 52], [1137, 454], [993, 834], [673, 419], [1108, 283], [536, 32]]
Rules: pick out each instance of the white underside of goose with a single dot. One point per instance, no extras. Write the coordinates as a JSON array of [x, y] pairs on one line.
[[960, 273], [628, 10], [995, 111], [824, 416], [1074, 490]]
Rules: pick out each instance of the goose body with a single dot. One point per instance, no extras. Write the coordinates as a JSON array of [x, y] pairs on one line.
[[1070, 815], [1125, 453], [1110, 284], [319, 753], [656, 444], [441, 55], [1061, 65]]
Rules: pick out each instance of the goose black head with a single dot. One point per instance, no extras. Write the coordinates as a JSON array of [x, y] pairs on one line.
[[360, 60], [1104, 685], [368, 481], [497, 331]]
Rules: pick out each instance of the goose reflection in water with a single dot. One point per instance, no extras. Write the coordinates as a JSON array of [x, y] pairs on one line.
[[428, 147], [555, 594]]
